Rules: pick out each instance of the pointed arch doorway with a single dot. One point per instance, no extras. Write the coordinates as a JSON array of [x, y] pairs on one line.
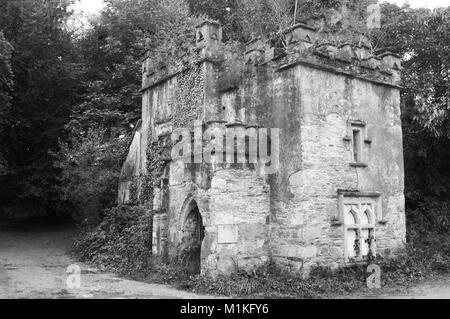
[[193, 236]]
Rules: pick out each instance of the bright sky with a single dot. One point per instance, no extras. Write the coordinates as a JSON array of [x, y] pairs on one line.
[[89, 6], [422, 3], [94, 6]]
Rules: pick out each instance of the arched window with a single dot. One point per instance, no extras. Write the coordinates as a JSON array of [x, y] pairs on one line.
[[359, 221], [350, 217], [366, 218]]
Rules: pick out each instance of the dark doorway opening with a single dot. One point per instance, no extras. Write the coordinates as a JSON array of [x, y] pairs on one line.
[[193, 235]]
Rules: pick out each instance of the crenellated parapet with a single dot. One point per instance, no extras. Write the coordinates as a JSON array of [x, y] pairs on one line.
[[208, 46], [302, 43]]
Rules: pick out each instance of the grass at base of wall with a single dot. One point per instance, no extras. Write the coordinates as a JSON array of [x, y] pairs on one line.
[[120, 244], [428, 259]]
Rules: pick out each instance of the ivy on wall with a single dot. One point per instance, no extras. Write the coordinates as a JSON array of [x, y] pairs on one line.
[[187, 105], [158, 156]]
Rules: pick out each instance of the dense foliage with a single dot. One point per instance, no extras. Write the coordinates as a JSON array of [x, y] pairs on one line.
[[120, 243], [423, 38], [243, 19], [44, 89], [90, 168], [5, 91], [101, 126]]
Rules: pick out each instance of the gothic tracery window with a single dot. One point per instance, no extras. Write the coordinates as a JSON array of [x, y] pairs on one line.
[[359, 221]]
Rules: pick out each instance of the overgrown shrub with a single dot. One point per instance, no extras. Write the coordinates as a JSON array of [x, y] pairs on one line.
[[90, 169], [424, 257], [273, 281], [121, 243], [429, 216]]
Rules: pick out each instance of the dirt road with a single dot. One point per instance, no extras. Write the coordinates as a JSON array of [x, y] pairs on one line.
[[34, 262]]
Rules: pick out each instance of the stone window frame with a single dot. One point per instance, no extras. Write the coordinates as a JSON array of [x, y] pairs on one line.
[[357, 210], [343, 195], [361, 200], [361, 127]]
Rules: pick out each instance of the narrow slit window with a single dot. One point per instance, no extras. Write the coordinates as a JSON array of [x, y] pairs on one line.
[[357, 146]]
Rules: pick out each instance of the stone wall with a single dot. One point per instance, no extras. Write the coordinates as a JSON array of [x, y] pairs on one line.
[[173, 103], [238, 232], [304, 233]]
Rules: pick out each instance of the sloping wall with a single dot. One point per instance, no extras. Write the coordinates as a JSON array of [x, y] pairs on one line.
[[131, 169]]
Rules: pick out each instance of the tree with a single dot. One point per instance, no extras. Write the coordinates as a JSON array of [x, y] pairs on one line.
[[6, 78], [241, 19], [422, 37], [90, 173], [45, 87], [101, 125], [244, 18]]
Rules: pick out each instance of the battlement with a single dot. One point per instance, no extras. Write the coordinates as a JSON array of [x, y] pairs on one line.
[[301, 43], [208, 47]]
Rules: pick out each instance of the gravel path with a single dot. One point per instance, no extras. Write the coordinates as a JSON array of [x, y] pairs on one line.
[[34, 263]]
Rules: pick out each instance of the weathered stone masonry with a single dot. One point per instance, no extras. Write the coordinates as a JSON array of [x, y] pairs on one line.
[[338, 196]]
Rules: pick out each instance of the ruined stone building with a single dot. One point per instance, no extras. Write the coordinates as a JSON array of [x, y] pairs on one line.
[[337, 195]]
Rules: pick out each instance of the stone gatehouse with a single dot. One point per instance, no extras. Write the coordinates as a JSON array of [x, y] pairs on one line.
[[337, 196]]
